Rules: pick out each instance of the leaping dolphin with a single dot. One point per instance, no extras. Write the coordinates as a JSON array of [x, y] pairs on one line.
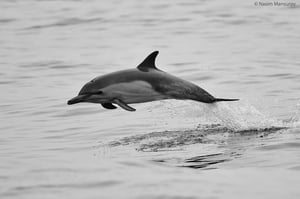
[[142, 84]]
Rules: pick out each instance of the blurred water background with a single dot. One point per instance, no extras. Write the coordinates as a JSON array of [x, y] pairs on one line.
[[168, 149]]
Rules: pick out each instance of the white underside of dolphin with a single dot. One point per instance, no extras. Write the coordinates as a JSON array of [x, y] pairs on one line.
[[143, 84], [134, 92]]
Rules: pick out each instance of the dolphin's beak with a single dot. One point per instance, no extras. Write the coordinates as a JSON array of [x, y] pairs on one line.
[[77, 99]]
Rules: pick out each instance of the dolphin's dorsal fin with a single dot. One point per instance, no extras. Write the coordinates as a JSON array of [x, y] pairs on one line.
[[149, 62]]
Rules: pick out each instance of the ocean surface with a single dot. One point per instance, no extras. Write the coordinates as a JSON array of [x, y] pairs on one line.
[[167, 149]]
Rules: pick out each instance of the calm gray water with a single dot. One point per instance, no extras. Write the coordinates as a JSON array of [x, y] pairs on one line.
[[168, 149]]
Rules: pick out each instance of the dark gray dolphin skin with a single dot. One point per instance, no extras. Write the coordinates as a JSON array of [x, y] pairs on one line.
[[142, 84]]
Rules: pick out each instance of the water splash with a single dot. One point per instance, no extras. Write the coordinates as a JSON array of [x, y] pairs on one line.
[[242, 116], [235, 116]]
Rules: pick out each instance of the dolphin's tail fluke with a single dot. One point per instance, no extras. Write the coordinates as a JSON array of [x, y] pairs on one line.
[[221, 99]]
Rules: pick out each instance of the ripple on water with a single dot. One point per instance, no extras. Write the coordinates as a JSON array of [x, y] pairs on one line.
[[51, 64], [7, 82], [283, 75], [204, 161], [66, 22], [282, 146], [40, 187], [7, 20], [78, 112]]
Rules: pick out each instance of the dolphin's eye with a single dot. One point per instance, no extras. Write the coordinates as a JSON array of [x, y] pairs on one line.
[[98, 92]]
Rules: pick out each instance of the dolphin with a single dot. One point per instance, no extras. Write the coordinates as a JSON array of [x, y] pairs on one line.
[[145, 83]]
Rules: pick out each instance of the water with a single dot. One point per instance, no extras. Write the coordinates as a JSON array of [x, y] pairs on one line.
[[167, 149]]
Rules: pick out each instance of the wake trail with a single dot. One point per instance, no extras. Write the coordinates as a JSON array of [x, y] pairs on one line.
[[189, 123]]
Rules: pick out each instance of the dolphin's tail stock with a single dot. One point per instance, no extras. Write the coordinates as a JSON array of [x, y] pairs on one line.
[[221, 99]]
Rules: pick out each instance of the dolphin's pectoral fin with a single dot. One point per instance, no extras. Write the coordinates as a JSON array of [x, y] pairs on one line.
[[108, 105], [123, 105]]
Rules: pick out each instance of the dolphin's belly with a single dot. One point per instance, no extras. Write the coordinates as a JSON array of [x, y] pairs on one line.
[[133, 92]]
